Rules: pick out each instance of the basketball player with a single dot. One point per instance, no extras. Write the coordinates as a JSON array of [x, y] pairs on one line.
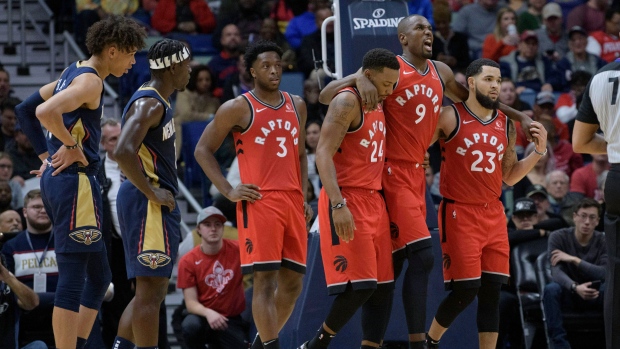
[[147, 212], [70, 109], [599, 108], [267, 125], [411, 115], [354, 226], [478, 152]]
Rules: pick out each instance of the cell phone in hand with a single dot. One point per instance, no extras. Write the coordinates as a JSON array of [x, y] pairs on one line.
[[596, 284]]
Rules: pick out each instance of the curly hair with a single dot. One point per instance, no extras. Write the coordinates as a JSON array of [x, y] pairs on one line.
[[258, 47], [379, 58], [122, 32]]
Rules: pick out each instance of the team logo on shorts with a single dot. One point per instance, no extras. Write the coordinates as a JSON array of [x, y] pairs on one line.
[[153, 260], [394, 231], [446, 261], [249, 246], [86, 236], [341, 263]]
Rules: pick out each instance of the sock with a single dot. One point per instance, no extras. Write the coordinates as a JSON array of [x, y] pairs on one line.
[[257, 343], [417, 345], [122, 343], [272, 344], [81, 342], [321, 339]]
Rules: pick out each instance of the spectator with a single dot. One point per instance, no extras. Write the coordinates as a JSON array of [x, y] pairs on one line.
[[566, 160], [311, 47], [566, 106], [183, 16], [475, 20], [283, 11], [196, 102], [577, 57], [90, 11], [421, 7], [210, 276], [532, 18], [269, 31], [528, 69], [605, 43], [519, 6], [508, 95], [578, 256], [585, 179], [10, 222], [547, 219], [560, 199], [313, 131], [536, 175], [502, 41], [545, 105], [5, 196], [7, 122], [25, 159], [5, 87], [316, 110], [239, 83], [304, 24], [246, 16], [590, 16], [225, 64], [449, 46], [552, 40], [6, 173]]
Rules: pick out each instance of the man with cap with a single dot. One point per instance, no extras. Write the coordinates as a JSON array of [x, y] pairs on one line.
[[552, 39], [212, 283], [546, 219], [528, 69], [577, 58], [605, 43], [545, 105]]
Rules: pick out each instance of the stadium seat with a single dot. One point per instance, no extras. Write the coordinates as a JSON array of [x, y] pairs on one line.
[[293, 83]]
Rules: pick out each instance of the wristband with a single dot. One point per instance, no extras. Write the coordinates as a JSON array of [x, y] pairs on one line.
[[539, 153], [71, 146], [340, 205]]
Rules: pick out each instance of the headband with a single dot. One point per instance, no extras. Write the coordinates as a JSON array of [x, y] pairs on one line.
[[165, 62]]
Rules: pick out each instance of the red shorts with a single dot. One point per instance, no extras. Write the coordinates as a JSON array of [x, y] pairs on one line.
[[272, 232], [367, 259], [404, 188], [474, 241]]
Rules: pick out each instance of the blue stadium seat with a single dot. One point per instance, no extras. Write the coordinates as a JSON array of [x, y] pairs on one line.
[[191, 134], [293, 83]]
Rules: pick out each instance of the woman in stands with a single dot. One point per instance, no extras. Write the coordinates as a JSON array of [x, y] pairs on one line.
[[504, 38]]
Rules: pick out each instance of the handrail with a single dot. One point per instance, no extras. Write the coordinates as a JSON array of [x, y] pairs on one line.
[[10, 23], [49, 41], [188, 196], [69, 41], [52, 40]]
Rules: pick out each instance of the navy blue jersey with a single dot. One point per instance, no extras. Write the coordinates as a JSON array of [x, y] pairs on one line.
[[82, 123], [157, 153], [25, 262]]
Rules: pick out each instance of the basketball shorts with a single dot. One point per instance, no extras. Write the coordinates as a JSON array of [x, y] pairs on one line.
[[366, 260], [72, 200], [404, 189], [151, 233], [272, 232], [474, 241]]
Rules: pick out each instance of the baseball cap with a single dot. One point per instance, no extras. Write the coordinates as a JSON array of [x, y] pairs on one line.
[[208, 212], [545, 97], [529, 34], [535, 189], [524, 205], [551, 9], [576, 29]]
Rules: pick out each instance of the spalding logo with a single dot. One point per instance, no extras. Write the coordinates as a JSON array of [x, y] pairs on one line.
[[86, 236], [153, 260]]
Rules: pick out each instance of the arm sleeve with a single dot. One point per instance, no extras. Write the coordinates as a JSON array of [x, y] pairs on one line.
[[557, 274], [31, 126]]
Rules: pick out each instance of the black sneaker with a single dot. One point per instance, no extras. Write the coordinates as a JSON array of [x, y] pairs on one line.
[[431, 344], [303, 346]]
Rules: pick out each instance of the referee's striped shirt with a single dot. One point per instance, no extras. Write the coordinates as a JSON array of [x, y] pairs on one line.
[[601, 105]]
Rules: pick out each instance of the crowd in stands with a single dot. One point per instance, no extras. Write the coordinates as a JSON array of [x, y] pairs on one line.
[[547, 52]]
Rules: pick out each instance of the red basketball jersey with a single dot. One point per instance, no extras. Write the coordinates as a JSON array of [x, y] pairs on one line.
[[359, 160], [471, 167], [412, 111], [268, 148]]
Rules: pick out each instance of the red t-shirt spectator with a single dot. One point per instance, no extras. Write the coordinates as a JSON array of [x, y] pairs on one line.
[[584, 181], [217, 278], [565, 159], [164, 17]]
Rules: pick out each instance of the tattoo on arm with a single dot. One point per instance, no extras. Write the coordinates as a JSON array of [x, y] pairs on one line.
[[510, 155], [340, 117]]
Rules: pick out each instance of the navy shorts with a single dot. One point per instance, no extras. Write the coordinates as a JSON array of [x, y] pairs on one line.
[[151, 233], [72, 200]]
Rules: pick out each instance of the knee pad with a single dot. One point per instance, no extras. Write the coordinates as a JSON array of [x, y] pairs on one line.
[[345, 305], [98, 278], [454, 304], [71, 275], [488, 306]]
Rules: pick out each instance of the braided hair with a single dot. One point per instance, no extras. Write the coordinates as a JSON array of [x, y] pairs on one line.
[[165, 48], [123, 32]]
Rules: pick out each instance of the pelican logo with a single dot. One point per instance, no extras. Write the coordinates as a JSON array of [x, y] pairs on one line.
[[153, 260], [378, 13], [86, 236], [341, 263], [446, 261]]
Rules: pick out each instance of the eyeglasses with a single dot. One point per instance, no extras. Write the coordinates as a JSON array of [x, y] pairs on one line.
[[37, 207], [585, 217]]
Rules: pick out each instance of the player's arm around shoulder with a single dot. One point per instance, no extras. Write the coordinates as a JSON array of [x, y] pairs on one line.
[[453, 89], [446, 124], [514, 170]]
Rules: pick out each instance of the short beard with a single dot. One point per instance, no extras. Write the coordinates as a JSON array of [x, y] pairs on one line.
[[486, 101]]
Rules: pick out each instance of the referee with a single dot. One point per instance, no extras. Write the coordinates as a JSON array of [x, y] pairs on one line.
[[600, 107]]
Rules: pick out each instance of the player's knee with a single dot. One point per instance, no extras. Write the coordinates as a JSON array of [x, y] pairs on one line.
[[191, 325], [291, 284], [454, 304], [422, 260], [265, 283]]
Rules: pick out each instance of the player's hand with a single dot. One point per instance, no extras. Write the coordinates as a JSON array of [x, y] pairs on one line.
[[216, 320], [539, 135], [242, 191], [41, 169], [344, 224], [308, 212], [558, 256], [64, 158], [162, 197], [585, 292], [368, 91], [427, 161]]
